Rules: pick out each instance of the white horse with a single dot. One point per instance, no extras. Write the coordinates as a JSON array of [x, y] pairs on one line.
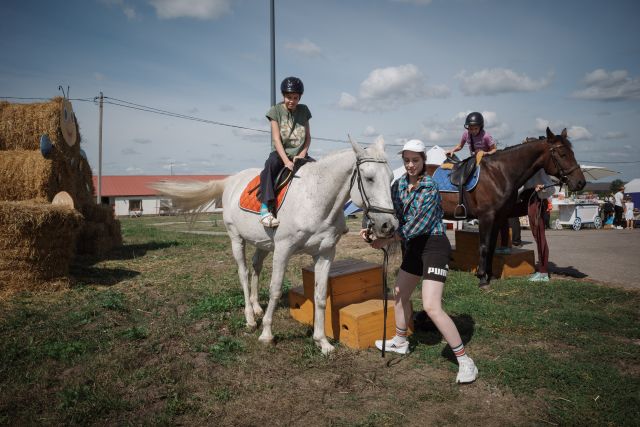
[[311, 221]]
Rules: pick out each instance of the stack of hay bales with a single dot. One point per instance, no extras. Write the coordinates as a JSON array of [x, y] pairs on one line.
[[40, 156]]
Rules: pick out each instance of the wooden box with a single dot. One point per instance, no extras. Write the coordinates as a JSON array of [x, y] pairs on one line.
[[350, 281], [361, 324], [465, 257]]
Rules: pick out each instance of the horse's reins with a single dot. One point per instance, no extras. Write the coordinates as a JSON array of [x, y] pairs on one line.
[[368, 207]]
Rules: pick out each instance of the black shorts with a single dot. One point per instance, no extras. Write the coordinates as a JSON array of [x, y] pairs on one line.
[[427, 256]]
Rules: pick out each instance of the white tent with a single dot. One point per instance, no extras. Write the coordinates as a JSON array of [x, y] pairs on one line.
[[632, 186], [436, 155]]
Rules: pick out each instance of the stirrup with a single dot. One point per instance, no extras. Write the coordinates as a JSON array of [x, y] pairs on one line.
[[464, 210], [269, 221]]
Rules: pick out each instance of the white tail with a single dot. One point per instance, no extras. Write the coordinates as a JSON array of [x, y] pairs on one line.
[[191, 195]]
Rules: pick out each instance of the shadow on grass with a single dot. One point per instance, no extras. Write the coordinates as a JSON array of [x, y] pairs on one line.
[[426, 332], [83, 271]]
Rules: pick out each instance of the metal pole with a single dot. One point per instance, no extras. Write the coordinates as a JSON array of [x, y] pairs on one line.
[[99, 201], [273, 54]]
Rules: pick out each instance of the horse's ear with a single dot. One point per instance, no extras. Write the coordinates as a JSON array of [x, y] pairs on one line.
[[379, 143], [564, 133], [356, 147], [550, 134]]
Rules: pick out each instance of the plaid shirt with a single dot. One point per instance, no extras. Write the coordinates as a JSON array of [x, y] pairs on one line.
[[419, 211]]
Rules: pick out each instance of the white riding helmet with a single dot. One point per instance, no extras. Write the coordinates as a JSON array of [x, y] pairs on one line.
[[414, 145]]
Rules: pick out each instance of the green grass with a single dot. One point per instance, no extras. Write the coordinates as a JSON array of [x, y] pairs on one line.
[[155, 334]]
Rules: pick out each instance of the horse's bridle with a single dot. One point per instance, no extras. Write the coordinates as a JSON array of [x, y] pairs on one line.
[[563, 174], [357, 177]]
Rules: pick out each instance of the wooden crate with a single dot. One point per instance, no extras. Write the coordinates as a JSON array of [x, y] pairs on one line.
[[465, 257], [361, 324], [350, 281]]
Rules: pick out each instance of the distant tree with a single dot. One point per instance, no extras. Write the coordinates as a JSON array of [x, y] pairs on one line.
[[616, 184]]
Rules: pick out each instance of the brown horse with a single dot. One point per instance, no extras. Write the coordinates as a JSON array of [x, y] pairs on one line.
[[493, 200]]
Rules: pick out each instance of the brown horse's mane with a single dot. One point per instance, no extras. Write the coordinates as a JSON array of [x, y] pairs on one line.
[[528, 139]]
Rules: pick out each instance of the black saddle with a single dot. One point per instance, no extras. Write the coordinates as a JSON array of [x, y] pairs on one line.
[[461, 171]]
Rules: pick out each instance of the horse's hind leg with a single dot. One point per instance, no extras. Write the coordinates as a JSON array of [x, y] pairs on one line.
[[238, 250], [281, 256], [258, 259]]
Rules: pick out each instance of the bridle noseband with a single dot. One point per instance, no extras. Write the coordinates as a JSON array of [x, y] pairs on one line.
[[563, 174], [357, 177]]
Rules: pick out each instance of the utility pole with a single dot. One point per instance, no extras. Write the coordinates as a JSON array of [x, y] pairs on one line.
[[99, 201], [273, 54]]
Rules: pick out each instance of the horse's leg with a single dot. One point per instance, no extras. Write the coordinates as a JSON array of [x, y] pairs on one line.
[[258, 258], [322, 266], [488, 231], [238, 250], [281, 256]]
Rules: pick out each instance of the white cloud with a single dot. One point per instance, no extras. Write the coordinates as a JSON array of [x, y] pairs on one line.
[[370, 131], [614, 135], [577, 133], [98, 76], [603, 85], [499, 80], [305, 47], [388, 88], [450, 131], [129, 152], [128, 10], [142, 140], [198, 9]]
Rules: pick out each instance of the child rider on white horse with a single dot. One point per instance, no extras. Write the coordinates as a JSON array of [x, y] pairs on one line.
[[290, 140]]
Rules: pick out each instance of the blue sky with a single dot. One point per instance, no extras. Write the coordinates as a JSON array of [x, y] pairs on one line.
[[400, 68]]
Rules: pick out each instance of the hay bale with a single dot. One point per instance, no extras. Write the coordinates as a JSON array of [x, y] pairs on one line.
[[37, 244], [100, 232], [22, 125], [26, 175]]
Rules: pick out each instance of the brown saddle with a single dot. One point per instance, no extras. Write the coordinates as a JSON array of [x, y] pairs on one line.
[[461, 171]]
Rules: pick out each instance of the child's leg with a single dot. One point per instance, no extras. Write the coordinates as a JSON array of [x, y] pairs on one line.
[[272, 166]]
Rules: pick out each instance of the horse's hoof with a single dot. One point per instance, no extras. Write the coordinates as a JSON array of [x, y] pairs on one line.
[[325, 347], [251, 326], [484, 287], [266, 339], [257, 311]]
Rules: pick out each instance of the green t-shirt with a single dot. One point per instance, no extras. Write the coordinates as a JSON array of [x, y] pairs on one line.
[[293, 127]]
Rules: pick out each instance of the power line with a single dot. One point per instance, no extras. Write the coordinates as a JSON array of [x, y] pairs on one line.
[[140, 107]]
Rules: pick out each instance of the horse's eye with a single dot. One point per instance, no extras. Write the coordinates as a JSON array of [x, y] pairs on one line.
[[369, 179]]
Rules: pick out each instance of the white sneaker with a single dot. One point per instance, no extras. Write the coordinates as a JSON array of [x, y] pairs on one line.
[[618, 228], [393, 347], [467, 372]]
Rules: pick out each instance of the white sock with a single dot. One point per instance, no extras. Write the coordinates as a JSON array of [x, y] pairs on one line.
[[399, 340]]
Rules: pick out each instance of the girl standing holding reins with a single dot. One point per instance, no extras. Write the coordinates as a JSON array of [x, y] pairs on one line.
[[426, 252]]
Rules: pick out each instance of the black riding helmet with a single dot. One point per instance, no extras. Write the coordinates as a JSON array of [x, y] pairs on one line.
[[474, 118], [292, 85]]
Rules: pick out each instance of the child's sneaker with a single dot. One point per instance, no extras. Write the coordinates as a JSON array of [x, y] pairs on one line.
[[393, 347], [467, 372]]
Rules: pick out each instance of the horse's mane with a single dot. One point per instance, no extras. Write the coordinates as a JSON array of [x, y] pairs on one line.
[[375, 154], [530, 139]]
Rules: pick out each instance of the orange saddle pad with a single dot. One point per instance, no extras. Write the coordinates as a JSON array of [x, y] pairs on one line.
[[249, 200]]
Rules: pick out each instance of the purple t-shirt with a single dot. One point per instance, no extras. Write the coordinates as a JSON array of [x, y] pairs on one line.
[[481, 142]]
